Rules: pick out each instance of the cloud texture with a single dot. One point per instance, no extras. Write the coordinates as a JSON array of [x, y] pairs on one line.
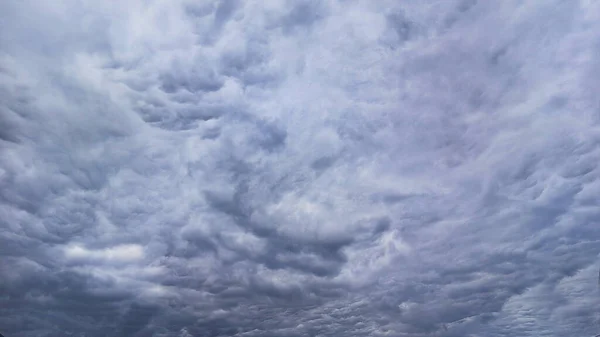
[[299, 168]]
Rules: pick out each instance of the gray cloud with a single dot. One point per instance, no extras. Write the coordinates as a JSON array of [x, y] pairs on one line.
[[298, 168]]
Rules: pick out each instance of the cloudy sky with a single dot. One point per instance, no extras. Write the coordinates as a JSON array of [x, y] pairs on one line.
[[196, 168]]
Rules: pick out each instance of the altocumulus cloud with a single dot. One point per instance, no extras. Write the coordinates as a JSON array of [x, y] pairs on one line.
[[299, 168]]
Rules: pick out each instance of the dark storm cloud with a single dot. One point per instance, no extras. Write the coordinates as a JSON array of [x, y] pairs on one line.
[[298, 168]]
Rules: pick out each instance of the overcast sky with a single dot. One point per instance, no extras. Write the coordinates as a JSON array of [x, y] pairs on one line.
[[360, 168]]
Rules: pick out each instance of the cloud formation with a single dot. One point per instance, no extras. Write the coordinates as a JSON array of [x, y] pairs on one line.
[[299, 168]]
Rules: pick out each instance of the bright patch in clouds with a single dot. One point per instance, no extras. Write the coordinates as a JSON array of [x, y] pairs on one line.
[[121, 253]]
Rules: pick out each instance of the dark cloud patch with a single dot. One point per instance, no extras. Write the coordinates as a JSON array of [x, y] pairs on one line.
[[76, 302], [303, 15], [9, 121], [136, 319], [204, 82], [194, 81], [253, 54], [225, 9], [399, 29]]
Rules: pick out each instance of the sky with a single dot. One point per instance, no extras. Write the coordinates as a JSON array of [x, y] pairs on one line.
[[254, 168]]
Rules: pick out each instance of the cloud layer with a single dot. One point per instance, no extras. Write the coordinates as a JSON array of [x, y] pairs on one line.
[[299, 168]]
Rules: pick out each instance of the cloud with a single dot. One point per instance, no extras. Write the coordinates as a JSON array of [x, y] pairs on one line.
[[298, 168], [121, 253]]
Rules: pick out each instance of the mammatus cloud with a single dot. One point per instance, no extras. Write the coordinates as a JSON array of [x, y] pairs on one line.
[[299, 168]]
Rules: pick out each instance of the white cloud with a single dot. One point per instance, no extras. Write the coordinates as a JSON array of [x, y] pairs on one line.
[[116, 254]]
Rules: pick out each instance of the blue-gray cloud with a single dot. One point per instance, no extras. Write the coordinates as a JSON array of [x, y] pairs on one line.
[[299, 168]]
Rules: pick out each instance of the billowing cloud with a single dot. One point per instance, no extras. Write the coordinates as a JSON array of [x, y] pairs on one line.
[[299, 168]]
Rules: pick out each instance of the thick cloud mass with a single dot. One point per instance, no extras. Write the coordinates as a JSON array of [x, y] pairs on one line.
[[299, 168]]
